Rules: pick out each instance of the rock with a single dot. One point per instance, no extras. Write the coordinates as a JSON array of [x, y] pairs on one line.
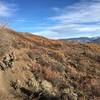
[[34, 84], [47, 86], [2, 66], [68, 94], [7, 61]]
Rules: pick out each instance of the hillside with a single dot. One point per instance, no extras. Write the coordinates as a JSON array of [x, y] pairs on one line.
[[36, 68]]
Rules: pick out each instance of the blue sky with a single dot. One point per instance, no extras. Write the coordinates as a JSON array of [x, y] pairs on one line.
[[53, 18]]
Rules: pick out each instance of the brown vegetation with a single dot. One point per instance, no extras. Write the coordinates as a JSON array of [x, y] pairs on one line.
[[70, 70]]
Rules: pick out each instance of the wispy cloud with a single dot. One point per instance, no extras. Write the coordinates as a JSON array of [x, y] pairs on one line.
[[6, 9], [79, 19], [24, 20], [80, 12]]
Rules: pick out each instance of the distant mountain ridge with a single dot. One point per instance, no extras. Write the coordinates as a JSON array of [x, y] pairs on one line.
[[84, 39], [97, 40]]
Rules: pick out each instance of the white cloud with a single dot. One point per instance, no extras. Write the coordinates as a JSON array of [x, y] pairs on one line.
[[79, 19], [6, 10], [20, 20], [88, 29], [24, 20], [80, 12]]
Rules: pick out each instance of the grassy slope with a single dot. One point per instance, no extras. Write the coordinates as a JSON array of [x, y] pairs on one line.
[[62, 69]]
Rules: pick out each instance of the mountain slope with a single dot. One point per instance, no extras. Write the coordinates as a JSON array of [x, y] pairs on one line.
[[36, 68], [84, 40], [81, 39], [97, 40]]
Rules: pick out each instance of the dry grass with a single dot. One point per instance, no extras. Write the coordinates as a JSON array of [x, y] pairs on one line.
[[55, 61]]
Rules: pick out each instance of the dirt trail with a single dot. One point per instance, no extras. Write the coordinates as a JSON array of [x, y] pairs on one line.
[[3, 89], [2, 82]]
